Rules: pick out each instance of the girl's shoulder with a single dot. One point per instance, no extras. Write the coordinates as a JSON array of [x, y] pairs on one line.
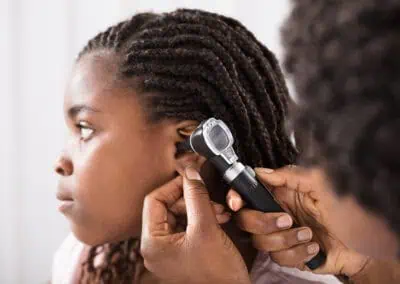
[[66, 260], [265, 271]]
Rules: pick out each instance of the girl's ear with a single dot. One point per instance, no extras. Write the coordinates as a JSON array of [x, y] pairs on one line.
[[187, 129], [184, 129]]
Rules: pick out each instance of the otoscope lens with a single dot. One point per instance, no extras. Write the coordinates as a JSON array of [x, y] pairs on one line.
[[219, 138]]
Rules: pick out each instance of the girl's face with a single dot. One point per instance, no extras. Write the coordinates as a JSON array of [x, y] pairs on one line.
[[113, 156]]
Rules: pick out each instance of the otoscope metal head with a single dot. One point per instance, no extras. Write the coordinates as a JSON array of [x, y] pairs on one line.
[[210, 139]]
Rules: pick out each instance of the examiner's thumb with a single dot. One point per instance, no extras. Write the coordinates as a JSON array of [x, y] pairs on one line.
[[197, 199]]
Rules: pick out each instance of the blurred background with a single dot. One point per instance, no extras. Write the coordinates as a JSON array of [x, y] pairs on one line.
[[38, 43]]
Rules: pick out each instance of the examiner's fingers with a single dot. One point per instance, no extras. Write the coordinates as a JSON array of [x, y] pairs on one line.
[[234, 201], [296, 256], [257, 222], [282, 240]]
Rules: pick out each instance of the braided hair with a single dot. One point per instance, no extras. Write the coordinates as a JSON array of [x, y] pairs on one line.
[[191, 65]]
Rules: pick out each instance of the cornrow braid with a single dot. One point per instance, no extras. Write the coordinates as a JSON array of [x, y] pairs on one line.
[[191, 65]]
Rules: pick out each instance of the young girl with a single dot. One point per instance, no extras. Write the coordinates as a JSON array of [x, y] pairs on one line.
[[138, 89]]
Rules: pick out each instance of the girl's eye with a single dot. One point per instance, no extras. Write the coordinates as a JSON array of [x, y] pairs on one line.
[[85, 131]]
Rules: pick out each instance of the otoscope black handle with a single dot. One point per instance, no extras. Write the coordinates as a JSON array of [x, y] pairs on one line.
[[258, 197]]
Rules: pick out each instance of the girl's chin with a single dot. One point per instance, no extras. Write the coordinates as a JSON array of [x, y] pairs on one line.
[[91, 239]]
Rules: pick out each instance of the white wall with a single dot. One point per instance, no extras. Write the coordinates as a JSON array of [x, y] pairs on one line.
[[8, 194], [38, 42]]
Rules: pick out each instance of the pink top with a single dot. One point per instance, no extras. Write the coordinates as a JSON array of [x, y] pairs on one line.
[[264, 270]]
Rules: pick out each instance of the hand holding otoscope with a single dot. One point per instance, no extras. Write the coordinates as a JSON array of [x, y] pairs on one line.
[[213, 140]]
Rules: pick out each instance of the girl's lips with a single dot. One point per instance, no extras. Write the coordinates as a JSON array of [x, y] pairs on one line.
[[66, 199], [65, 206], [64, 194]]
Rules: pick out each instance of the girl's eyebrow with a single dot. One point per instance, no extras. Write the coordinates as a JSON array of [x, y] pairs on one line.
[[77, 109]]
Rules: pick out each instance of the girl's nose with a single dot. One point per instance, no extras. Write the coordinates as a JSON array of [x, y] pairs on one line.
[[63, 167]]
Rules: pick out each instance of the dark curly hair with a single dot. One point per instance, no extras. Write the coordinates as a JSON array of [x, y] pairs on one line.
[[344, 60], [191, 65]]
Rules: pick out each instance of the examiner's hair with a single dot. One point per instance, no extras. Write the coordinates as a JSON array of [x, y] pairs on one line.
[[344, 59]]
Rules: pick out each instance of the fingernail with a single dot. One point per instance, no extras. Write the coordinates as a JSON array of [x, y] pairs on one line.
[[284, 222], [192, 174], [233, 203], [265, 170], [313, 248], [303, 235]]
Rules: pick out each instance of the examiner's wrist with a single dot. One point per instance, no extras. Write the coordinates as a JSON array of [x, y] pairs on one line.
[[353, 265]]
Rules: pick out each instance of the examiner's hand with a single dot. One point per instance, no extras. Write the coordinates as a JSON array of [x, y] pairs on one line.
[[202, 253], [299, 191]]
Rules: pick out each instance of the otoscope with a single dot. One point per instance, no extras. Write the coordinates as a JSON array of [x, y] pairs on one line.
[[213, 140]]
